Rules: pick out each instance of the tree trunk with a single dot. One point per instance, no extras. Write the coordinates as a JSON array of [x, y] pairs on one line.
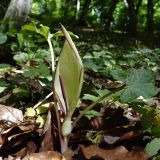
[[132, 26], [150, 13], [109, 15], [84, 11], [18, 10], [77, 8]]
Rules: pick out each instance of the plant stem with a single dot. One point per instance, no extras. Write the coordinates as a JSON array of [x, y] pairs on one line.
[[94, 103], [43, 100], [52, 53]]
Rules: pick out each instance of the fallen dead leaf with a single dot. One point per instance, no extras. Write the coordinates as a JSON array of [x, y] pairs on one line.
[[10, 114], [119, 153], [68, 154], [49, 155]]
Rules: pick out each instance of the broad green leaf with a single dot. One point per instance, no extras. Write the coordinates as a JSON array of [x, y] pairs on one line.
[[20, 38], [60, 34], [156, 158], [92, 113], [21, 92], [21, 57], [153, 147], [156, 131], [139, 76], [69, 74], [29, 27], [31, 72], [89, 64], [102, 92], [138, 83], [118, 74], [44, 70], [4, 66], [3, 86], [90, 97], [3, 38], [44, 31]]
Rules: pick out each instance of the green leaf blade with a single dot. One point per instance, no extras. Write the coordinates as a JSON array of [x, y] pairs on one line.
[[153, 147], [138, 83]]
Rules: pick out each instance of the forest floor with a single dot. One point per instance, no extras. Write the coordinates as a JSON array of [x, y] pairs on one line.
[[113, 130]]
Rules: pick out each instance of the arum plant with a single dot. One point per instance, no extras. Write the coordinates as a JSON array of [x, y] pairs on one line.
[[68, 80], [68, 83]]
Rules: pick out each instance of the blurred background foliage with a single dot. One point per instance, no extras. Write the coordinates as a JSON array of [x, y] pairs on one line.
[[126, 16], [129, 16]]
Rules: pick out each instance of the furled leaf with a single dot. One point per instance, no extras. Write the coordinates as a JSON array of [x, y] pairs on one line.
[[138, 83], [3, 38], [68, 81], [153, 147], [69, 74]]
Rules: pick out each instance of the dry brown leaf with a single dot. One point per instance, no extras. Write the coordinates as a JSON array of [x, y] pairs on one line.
[[10, 114], [31, 147], [49, 155], [111, 139], [68, 154], [21, 153], [119, 153], [47, 143]]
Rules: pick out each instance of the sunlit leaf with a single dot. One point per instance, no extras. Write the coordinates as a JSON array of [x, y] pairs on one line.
[[30, 112], [29, 27], [42, 109], [60, 33], [44, 31], [41, 121]]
